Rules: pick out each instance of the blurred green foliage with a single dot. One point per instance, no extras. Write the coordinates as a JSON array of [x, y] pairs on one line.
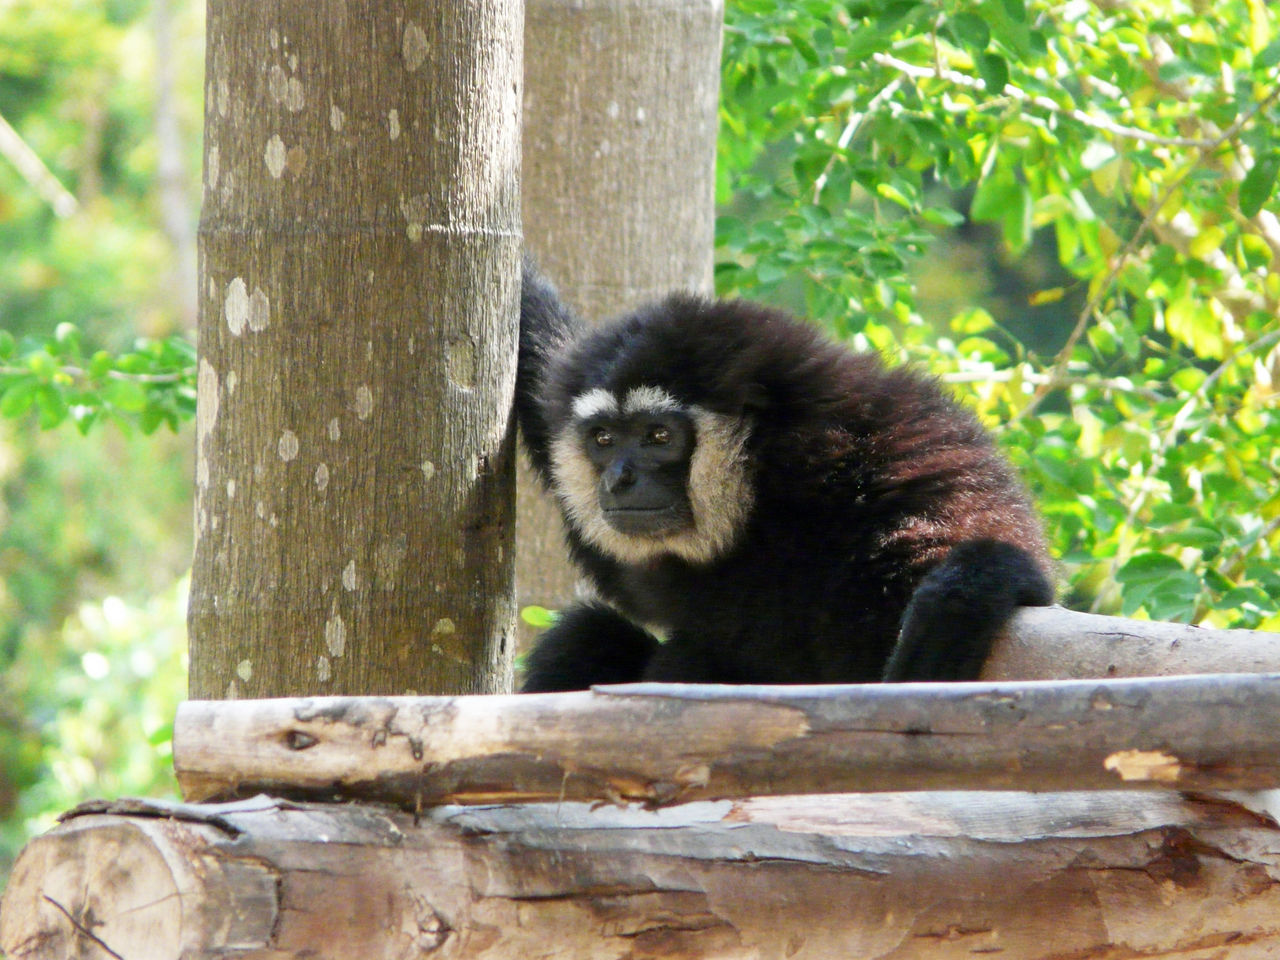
[[94, 328]]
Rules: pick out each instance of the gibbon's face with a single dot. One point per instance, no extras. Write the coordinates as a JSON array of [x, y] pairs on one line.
[[644, 475]]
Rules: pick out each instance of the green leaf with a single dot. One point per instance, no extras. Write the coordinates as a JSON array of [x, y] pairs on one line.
[[127, 395], [1268, 56], [52, 406], [890, 192], [41, 364], [942, 216], [1258, 183], [1016, 10], [1016, 221], [994, 72], [972, 321], [1159, 584], [7, 344], [971, 30], [539, 617], [18, 398], [99, 365], [993, 197]]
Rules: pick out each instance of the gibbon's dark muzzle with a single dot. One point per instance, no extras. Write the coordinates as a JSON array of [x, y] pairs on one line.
[[635, 500]]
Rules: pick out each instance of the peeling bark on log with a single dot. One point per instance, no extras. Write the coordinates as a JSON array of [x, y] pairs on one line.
[[670, 743], [933, 876], [1047, 643]]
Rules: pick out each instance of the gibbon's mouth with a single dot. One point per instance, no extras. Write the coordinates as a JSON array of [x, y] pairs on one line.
[[648, 521]]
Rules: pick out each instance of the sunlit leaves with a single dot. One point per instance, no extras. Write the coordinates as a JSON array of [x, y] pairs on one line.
[[1141, 140], [149, 386], [1259, 183]]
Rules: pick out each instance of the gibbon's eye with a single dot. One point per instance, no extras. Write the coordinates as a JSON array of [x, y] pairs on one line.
[[660, 436], [601, 437]]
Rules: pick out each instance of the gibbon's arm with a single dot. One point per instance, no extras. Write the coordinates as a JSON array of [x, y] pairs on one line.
[[588, 644], [546, 326], [959, 609]]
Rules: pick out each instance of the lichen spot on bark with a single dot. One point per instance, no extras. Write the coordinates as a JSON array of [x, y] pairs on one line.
[[235, 308], [428, 470], [214, 159], [393, 124], [274, 156], [335, 635], [363, 406], [460, 362], [335, 430], [336, 117], [259, 311], [350, 577], [244, 670], [322, 669], [414, 46], [322, 476], [206, 417], [288, 446]]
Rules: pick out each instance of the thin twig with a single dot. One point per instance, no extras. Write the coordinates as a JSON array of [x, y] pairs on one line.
[[78, 373], [1108, 384], [846, 136], [1037, 100], [34, 171]]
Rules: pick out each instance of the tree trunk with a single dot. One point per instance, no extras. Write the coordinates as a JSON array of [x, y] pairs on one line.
[[172, 186], [896, 876], [359, 280], [620, 111]]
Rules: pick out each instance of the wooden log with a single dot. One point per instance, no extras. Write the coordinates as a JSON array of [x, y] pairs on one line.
[[667, 743], [1047, 643], [937, 876]]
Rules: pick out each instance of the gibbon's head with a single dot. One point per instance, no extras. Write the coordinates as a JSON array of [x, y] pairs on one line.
[[641, 474]]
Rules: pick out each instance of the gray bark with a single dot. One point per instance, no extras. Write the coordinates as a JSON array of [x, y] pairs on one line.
[[620, 113], [888, 877], [1049, 643], [661, 744], [359, 280]]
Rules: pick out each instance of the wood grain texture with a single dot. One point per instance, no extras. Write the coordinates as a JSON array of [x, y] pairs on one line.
[[885, 877], [619, 140], [359, 280], [661, 744]]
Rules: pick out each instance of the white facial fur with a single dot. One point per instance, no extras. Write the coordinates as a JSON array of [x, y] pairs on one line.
[[720, 493]]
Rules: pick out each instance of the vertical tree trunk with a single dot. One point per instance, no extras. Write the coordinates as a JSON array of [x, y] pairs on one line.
[[619, 181], [359, 265], [175, 203]]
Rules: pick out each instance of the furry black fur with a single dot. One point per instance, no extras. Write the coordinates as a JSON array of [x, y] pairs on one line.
[[853, 523]]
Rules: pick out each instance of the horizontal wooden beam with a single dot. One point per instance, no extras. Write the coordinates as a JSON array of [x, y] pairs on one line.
[[877, 877], [667, 743], [1047, 643]]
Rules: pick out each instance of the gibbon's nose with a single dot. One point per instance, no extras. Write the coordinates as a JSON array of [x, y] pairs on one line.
[[619, 476]]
